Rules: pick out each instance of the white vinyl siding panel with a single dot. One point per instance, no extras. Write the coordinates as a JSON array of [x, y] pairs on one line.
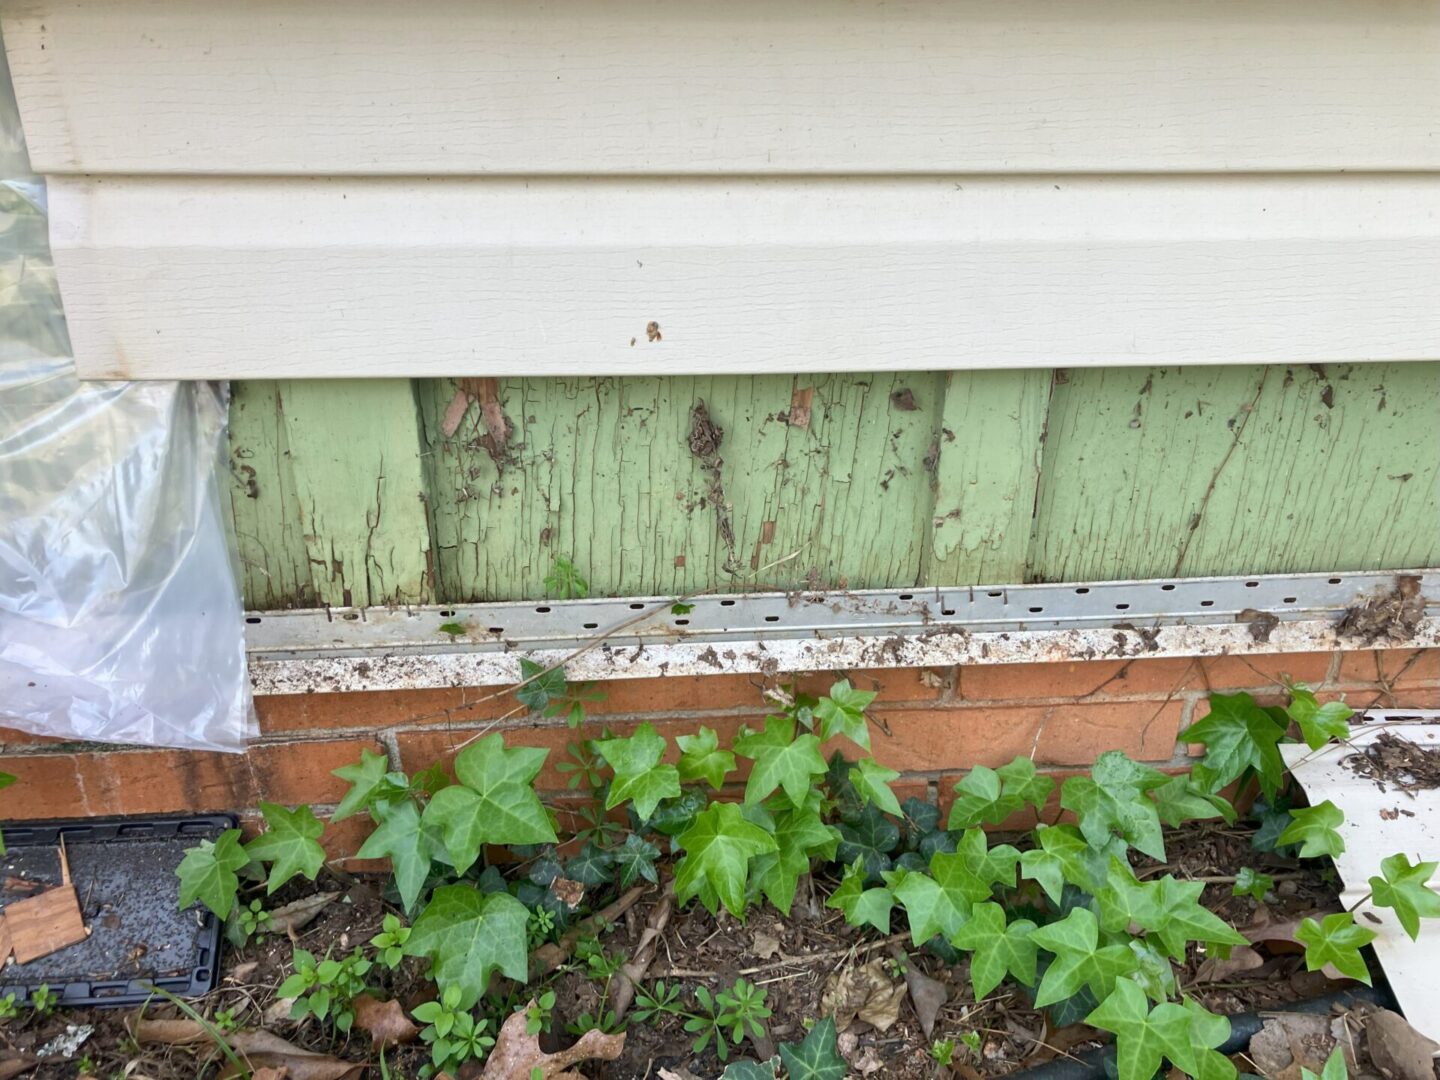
[[279, 278], [465, 87]]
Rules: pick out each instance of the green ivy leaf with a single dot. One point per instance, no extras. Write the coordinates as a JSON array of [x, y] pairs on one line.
[[755, 1070], [718, 848], [1318, 723], [921, 820], [591, 866], [368, 779], [1273, 821], [998, 948], [1110, 802], [468, 935], [1238, 735], [870, 836], [1143, 1036], [674, 816], [1250, 882], [639, 776], [862, 906], [1335, 1067], [817, 1058], [208, 873], [289, 844], [547, 685], [940, 902], [1208, 1031], [782, 759], [1313, 828], [1405, 888], [1080, 959], [872, 781], [990, 796], [702, 759], [636, 858], [800, 835], [1183, 918], [843, 713], [681, 609], [494, 802], [401, 838], [1180, 799], [1063, 855], [1336, 941], [1125, 900]]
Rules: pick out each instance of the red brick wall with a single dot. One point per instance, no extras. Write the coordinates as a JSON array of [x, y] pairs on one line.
[[930, 724]]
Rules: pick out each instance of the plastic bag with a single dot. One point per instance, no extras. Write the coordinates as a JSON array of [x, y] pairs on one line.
[[120, 616]]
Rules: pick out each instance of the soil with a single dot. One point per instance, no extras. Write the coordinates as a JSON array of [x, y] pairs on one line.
[[1390, 760], [790, 958]]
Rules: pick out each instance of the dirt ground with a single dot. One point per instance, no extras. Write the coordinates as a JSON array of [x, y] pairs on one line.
[[792, 959]]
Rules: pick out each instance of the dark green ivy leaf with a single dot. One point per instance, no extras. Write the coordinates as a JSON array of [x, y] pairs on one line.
[[869, 836], [817, 1057], [536, 695], [592, 866]]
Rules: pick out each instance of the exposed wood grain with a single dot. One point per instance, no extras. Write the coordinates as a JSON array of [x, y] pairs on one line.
[[986, 476], [1234, 470], [600, 471], [44, 923], [360, 489], [262, 504], [587, 86], [265, 278]]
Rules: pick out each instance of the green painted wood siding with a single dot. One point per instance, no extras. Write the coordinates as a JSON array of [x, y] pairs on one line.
[[350, 492]]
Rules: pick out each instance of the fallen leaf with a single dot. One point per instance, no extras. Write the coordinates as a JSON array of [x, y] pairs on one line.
[[927, 995], [240, 972], [1241, 958], [14, 1066], [677, 1073], [863, 1061], [298, 913], [281, 1073], [568, 892], [862, 992], [262, 1050], [384, 1021], [517, 1054], [1397, 1049], [764, 946], [169, 1032]]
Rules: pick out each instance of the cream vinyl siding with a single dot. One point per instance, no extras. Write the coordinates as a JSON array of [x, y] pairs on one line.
[[487, 187]]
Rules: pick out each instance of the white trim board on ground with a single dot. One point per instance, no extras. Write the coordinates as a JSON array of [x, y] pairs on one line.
[[1380, 820]]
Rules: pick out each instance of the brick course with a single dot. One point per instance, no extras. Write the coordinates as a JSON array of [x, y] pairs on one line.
[[931, 724]]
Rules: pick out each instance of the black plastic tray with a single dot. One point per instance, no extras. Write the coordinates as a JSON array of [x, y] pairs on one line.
[[123, 870]]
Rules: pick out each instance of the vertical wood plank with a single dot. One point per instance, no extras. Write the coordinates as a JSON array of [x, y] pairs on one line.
[[262, 504], [602, 471], [986, 476], [360, 489], [1185, 472]]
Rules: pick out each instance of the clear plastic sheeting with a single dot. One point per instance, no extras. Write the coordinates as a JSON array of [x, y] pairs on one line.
[[120, 617]]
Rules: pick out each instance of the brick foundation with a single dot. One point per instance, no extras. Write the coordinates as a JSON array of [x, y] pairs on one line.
[[932, 725]]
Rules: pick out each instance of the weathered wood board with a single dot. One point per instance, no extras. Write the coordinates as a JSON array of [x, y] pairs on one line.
[[864, 480]]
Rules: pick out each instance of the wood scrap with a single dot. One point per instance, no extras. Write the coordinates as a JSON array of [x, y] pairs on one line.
[[44, 923]]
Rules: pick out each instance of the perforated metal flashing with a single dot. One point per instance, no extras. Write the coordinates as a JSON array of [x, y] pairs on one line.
[[406, 648]]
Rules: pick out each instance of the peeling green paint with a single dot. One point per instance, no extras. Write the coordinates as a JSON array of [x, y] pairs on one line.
[[876, 480]]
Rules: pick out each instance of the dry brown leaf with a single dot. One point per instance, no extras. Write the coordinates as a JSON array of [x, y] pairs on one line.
[[293, 916], [169, 1032], [264, 1050], [927, 995], [1397, 1049], [863, 1061], [1241, 958], [14, 1066], [517, 1054], [384, 1021], [764, 946], [281, 1073], [862, 992], [568, 892]]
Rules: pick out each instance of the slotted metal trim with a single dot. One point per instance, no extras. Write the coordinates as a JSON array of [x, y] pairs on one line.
[[405, 648]]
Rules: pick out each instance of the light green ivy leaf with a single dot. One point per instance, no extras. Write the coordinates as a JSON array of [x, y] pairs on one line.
[[862, 906], [1313, 828], [1336, 941], [1082, 959], [290, 844], [782, 760], [1405, 888], [1318, 723], [718, 847], [494, 802], [1238, 735], [639, 776], [843, 713], [468, 935], [999, 948], [702, 759], [1111, 802], [401, 838], [873, 781], [208, 873]]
